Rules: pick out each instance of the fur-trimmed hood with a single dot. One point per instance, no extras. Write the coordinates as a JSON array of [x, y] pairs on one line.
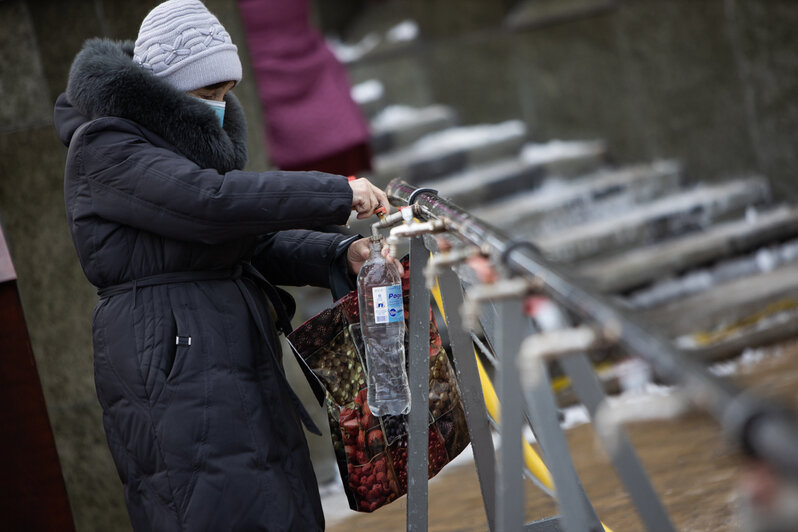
[[105, 82]]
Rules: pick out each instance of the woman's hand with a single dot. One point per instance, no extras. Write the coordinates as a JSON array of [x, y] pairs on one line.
[[366, 198], [358, 252]]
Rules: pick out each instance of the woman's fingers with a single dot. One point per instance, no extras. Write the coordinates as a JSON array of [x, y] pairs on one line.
[[382, 199], [366, 198], [386, 252]]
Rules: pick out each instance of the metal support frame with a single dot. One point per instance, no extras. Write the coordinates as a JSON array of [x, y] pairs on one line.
[[470, 391], [622, 454], [764, 431], [510, 489], [577, 513], [418, 419]]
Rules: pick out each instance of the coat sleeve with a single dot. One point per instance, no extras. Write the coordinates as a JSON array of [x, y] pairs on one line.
[[298, 257], [136, 183]]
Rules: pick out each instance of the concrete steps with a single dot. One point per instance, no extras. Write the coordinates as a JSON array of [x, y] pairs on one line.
[[667, 260], [563, 203], [687, 254], [487, 184], [398, 126], [642, 224], [370, 97], [449, 151], [726, 303]]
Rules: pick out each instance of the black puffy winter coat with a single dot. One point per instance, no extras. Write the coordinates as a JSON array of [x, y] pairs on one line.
[[182, 245]]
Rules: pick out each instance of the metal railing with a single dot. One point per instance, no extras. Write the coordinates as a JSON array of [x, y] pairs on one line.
[[494, 308]]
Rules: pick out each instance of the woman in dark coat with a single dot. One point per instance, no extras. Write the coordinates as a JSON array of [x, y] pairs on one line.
[[186, 249]]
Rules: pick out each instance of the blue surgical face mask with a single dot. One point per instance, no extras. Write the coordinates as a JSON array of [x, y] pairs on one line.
[[218, 108]]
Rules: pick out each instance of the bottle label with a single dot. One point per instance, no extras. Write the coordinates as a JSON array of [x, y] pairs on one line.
[[388, 306]]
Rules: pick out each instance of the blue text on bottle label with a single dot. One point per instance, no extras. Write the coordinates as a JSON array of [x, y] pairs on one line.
[[388, 306]]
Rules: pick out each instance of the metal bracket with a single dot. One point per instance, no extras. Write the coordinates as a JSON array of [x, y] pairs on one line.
[[539, 348], [516, 287], [414, 195]]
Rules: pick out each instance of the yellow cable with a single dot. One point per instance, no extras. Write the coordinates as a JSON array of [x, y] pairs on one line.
[[704, 338], [531, 458]]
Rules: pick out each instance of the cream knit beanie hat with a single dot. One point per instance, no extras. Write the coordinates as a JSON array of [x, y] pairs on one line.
[[181, 42]]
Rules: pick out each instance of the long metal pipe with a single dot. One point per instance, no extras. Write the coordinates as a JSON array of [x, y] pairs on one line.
[[763, 430]]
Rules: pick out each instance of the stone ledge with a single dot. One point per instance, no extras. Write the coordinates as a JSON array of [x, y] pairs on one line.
[[540, 13]]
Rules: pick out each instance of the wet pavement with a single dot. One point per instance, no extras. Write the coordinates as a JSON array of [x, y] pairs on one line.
[[693, 468]]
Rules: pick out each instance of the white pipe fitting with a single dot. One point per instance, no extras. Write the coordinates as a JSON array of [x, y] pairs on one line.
[[544, 346], [517, 287]]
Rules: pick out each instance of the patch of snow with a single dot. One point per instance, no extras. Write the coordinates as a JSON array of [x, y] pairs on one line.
[[467, 455], [334, 502], [751, 214], [574, 416], [789, 251], [763, 260], [686, 342], [467, 137], [633, 374], [395, 116], [695, 208], [725, 368], [400, 116], [528, 435], [368, 91], [348, 53], [404, 31], [474, 176], [670, 289], [751, 356], [557, 149]]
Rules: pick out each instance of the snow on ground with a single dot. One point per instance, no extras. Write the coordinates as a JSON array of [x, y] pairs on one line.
[[351, 52], [394, 116], [368, 91], [467, 137], [399, 116], [559, 202], [749, 358], [402, 32], [763, 260], [334, 502], [707, 198], [406, 30], [557, 150]]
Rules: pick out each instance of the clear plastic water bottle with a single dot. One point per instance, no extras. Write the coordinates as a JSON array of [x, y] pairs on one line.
[[379, 289]]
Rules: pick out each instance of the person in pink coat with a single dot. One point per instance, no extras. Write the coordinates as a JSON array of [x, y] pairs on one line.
[[312, 123]]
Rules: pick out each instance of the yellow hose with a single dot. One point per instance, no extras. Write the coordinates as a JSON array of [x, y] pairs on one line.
[[705, 338], [531, 458]]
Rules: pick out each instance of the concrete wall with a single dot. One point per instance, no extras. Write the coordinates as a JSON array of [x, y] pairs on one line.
[[711, 82]]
